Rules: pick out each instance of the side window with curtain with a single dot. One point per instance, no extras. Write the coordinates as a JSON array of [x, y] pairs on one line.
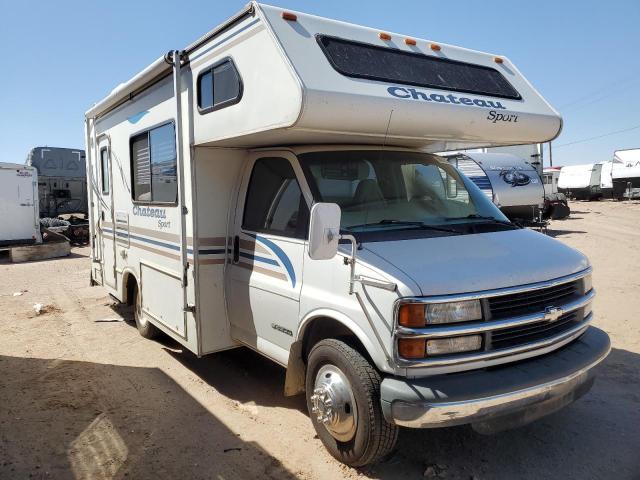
[[274, 202], [154, 165], [219, 86], [104, 170]]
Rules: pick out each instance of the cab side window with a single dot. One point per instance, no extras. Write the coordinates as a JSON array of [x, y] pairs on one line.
[[274, 202]]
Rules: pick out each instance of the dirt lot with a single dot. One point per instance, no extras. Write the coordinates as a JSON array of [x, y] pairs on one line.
[[82, 395]]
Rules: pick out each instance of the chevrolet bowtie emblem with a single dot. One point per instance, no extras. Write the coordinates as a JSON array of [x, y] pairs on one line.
[[552, 314]]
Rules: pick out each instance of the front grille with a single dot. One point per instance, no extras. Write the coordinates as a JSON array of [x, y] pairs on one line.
[[533, 301], [532, 332]]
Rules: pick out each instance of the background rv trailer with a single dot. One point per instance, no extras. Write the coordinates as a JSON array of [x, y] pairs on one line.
[[181, 156], [20, 220], [62, 180], [511, 182], [581, 182], [606, 179], [625, 175]]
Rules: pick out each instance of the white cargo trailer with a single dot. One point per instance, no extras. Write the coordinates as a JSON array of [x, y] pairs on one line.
[[581, 182], [20, 222], [625, 175], [272, 186]]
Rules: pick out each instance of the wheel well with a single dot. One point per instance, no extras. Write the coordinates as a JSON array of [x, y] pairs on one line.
[[325, 327], [130, 286]]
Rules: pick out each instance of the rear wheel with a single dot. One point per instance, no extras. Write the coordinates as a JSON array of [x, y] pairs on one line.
[[343, 398], [146, 328]]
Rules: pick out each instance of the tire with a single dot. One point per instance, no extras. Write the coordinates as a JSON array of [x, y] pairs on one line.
[[369, 437], [145, 327]]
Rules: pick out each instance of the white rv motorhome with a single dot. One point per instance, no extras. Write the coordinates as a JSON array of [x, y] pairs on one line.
[[272, 186], [581, 182], [19, 205], [625, 175]]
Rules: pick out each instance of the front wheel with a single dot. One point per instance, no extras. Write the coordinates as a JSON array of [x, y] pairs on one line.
[[343, 398]]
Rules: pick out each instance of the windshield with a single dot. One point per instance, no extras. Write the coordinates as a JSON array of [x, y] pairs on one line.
[[392, 191]]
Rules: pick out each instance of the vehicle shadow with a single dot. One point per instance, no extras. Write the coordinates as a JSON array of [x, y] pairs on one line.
[[561, 445], [242, 375], [69, 419], [554, 232], [596, 437]]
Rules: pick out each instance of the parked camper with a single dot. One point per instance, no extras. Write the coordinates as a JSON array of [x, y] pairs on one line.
[[512, 183], [62, 184], [20, 220], [556, 205], [581, 182], [550, 178], [625, 175], [606, 179], [271, 186]]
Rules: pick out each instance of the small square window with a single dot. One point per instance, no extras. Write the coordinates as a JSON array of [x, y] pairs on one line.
[[219, 86]]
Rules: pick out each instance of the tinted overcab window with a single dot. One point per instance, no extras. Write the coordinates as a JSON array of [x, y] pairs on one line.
[[363, 60], [219, 87], [154, 165], [274, 201]]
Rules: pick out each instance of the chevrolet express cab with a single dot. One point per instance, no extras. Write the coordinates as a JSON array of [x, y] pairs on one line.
[[274, 186]]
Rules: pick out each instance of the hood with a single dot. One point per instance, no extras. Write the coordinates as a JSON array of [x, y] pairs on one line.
[[470, 263]]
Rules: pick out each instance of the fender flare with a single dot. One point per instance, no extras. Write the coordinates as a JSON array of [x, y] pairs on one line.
[[294, 381]]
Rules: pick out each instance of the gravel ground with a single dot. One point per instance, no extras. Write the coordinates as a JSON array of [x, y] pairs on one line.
[[82, 395]]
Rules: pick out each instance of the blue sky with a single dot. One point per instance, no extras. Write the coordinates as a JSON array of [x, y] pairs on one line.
[[62, 56]]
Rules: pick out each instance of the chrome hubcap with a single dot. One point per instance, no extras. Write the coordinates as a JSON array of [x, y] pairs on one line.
[[333, 404]]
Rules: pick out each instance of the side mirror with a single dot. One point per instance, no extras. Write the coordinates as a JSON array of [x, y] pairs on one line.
[[324, 231]]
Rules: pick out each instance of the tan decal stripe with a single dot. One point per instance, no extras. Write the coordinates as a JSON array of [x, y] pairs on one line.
[[264, 271], [209, 241], [171, 237], [154, 250], [252, 246], [212, 261]]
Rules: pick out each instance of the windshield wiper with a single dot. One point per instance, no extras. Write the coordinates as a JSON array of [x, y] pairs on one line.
[[475, 216], [418, 225]]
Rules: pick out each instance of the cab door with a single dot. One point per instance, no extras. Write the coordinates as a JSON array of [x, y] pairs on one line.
[[105, 209], [263, 278]]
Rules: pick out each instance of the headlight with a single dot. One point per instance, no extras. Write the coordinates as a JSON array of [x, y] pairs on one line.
[[454, 312], [419, 315], [586, 283]]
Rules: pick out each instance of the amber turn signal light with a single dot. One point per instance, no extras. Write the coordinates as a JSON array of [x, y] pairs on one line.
[[384, 36], [291, 17], [498, 60], [411, 315], [409, 41], [411, 348], [435, 47]]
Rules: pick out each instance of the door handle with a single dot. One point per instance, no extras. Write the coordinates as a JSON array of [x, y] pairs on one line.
[[236, 249], [102, 215]]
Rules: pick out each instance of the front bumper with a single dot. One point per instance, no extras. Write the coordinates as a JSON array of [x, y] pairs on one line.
[[499, 398]]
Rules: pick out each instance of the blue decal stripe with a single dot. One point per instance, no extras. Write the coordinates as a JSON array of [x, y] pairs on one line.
[[212, 251], [136, 118], [281, 256], [205, 251], [257, 258]]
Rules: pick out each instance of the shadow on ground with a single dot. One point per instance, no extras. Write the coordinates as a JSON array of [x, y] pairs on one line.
[[561, 445], [67, 419], [555, 232]]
